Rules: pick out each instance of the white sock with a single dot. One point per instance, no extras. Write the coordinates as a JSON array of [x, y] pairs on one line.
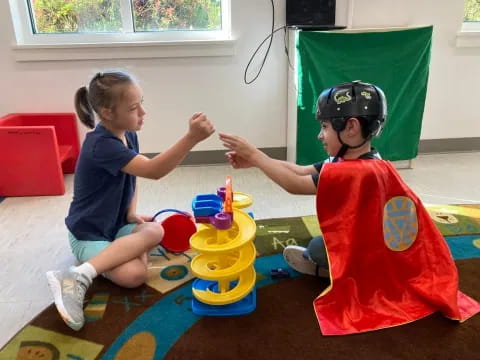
[[86, 269]]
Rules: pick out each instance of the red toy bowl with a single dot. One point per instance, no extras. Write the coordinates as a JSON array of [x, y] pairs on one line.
[[178, 230]]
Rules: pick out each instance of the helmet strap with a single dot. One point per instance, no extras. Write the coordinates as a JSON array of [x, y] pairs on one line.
[[343, 150], [341, 153]]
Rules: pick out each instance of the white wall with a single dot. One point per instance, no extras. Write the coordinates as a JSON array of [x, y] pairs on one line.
[[453, 90], [175, 88]]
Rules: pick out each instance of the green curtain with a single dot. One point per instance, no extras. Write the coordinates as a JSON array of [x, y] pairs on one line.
[[397, 61]]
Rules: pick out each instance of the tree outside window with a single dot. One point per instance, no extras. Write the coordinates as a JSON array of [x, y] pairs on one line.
[[105, 16], [472, 11]]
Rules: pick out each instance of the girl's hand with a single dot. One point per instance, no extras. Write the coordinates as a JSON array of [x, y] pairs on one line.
[[200, 127], [243, 153], [138, 219]]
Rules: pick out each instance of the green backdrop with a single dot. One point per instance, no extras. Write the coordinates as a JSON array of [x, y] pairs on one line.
[[397, 61]]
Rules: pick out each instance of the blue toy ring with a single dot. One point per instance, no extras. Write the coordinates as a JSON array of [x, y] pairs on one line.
[[171, 210]]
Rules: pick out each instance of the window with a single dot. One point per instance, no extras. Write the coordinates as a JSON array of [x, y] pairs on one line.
[[472, 11], [97, 16], [469, 36], [120, 23]]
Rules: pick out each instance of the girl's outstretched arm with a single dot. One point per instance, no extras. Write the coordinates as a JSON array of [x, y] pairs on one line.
[[200, 128]]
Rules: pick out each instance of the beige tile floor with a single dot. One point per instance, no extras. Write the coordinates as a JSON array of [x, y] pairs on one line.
[[33, 236]]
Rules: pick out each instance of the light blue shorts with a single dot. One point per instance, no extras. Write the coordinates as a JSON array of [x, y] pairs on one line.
[[84, 250]]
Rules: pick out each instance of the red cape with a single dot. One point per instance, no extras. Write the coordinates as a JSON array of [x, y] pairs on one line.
[[389, 264]]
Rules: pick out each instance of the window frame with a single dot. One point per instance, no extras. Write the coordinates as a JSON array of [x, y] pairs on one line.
[[469, 34], [178, 43]]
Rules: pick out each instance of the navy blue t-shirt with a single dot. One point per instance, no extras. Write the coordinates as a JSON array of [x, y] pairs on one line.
[[102, 192]]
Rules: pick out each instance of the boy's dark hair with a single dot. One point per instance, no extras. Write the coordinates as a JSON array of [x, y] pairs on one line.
[[369, 124], [102, 92], [357, 99]]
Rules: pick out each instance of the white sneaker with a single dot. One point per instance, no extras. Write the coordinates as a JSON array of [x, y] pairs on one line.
[[294, 257]]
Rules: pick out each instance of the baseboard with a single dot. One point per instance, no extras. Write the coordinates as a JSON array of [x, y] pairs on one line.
[[429, 146], [425, 147], [449, 145], [218, 156]]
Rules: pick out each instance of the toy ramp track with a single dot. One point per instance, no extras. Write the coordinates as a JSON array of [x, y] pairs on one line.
[[221, 266], [244, 284], [210, 240]]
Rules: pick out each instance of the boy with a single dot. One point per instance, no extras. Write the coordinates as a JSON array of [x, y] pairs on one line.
[[350, 115], [387, 262]]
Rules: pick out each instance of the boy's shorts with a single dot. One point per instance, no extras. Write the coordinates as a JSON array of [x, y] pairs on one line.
[[84, 250]]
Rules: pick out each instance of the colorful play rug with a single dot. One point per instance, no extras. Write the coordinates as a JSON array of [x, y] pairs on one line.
[[155, 321]]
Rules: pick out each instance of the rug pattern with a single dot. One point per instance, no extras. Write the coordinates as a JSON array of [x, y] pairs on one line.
[[145, 323]]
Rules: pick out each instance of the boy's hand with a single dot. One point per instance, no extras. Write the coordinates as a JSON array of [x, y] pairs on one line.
[[138, 219], [200, 127], [236, 161], [243, 153]]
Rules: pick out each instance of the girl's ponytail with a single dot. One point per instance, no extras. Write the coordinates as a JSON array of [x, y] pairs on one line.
[[83, 108]]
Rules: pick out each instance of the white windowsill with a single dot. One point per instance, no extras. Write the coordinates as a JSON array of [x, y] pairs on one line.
[[468, 39], [125, 50], [469, 35]]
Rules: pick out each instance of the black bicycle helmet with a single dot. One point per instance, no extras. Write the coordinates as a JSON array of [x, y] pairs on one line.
[[353, 99]]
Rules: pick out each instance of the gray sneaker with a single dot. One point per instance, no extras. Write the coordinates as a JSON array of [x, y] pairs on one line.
[[68, 289], [294, 256]]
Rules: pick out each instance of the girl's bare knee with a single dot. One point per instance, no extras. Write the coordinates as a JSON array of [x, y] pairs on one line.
[[130, 275], [154, 234], [135, 279]]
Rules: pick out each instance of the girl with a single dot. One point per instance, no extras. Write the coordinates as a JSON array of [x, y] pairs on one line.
[[106, 234]]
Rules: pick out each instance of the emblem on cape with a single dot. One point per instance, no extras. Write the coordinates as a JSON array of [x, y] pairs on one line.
[[400, 223]]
